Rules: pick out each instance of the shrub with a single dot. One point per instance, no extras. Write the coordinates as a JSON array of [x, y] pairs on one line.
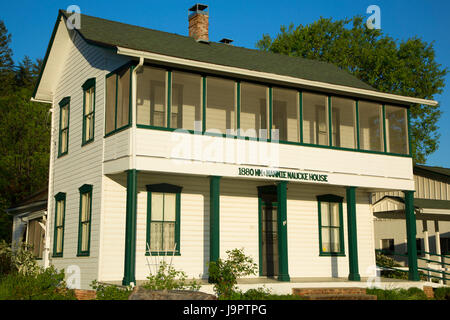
[[44, 284], [224, 273], [20, 260], [168, 278], [398, 294], [442, 293], [111, 292]]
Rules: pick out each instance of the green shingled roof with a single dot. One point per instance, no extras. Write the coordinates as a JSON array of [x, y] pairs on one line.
[[111, 34]]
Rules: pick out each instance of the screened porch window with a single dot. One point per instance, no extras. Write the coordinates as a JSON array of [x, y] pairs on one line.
[[396, 130], [186, 108], [315, 118], [254, 110], [331, 225], [285, 110], [35, 237], [370, 126], [163, 219], [151, 97], [220, 105], [118, 100], [343, 122]]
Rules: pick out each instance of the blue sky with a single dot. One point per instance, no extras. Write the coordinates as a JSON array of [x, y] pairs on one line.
[[245, 21]]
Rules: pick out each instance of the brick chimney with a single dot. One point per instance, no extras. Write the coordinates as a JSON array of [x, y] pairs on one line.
[[198, 22]]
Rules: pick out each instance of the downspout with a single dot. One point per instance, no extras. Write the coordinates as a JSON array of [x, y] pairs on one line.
[[134, 114], [46, 253]]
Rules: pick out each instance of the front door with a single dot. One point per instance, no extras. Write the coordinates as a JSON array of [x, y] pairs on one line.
[[269, 238]]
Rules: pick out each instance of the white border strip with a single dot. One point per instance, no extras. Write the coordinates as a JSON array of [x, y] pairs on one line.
[[271, 76]]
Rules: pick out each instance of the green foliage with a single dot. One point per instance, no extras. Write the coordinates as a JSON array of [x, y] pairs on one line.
[[45, 284], [259, 294], [398, 294], [24, 133], [21, 260], [384, 261], [168, 278], [111, 292], [224, 273], [405, 68], [442, 293]]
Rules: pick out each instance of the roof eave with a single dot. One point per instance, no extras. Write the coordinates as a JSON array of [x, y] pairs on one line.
[[286, 79]]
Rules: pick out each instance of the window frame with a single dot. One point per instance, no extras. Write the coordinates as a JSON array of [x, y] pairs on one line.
[[300, 91], [65, 102], [115, 73], [330, 198], [84, 189], [87, 85], [164, 188], [61, 196]]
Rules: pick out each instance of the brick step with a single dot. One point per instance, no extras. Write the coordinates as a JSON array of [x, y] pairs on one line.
[[340, 297], [330, 291]]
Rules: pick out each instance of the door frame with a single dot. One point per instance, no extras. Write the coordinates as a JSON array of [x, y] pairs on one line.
[[262, 202]]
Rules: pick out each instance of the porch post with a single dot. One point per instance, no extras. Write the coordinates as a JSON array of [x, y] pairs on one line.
[[283, 272], [411, 235], [214, 218], [130, 229], [352, 235]]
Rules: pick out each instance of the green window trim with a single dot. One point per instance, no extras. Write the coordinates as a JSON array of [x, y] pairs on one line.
[[64, 103], [130, 66], [204, 76], [164, 188], [85, 189], [88, 85], [330, 198], [61, 196]]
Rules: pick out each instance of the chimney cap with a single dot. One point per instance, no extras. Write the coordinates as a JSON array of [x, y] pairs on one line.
[[198, 7], [226, 41]]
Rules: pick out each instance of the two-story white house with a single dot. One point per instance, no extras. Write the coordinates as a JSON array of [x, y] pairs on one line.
[[164, 144]]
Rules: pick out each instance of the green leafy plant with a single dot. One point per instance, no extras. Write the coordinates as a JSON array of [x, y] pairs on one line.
[[44, 284], [168, 278], [111, 292], [442, 293], [398, 294], [20, 260], [224, 273]]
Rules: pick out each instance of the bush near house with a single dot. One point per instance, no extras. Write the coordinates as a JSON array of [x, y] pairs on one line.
[[168, 278], [442, 293], [111, 292], [398, 294], [22, 279]]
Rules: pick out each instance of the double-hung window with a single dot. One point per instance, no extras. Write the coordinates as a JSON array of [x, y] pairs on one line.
[[331, 231], [163, 219], [58, 238], [84, 229], [88, 110], [63, 146]]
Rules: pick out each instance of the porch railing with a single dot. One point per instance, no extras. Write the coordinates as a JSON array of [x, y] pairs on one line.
[[433, 268]]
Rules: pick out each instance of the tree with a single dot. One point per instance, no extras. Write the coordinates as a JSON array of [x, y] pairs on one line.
[[24, 133], [6, 62], [406, 68]]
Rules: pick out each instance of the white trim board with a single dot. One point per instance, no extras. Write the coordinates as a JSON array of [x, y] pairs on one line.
[[264, 75]]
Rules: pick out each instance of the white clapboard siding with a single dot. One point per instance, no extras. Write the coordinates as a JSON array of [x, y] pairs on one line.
[[238, 226], [303, 234], [82, 165], [426, 188]]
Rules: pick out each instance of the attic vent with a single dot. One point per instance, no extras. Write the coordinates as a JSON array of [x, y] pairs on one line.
[[226, 41]]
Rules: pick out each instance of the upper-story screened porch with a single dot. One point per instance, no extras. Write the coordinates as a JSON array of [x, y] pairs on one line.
[[213, 105]]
